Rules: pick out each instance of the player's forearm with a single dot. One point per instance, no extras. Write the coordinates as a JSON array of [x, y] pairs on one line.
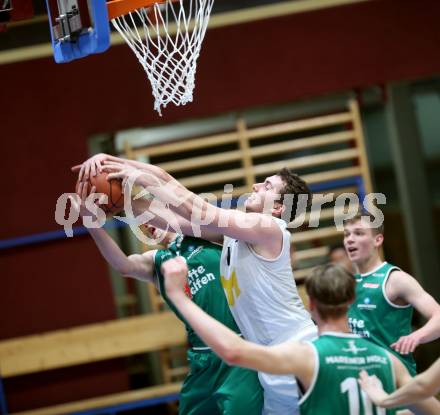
[[421, 387], [429, 406], [110, 251], [188, 206], [160, 216], [430, 331], [251, 228], [168, 190], [411, 392]]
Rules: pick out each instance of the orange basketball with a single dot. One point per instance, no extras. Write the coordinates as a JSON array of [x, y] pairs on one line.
[[113, 190]]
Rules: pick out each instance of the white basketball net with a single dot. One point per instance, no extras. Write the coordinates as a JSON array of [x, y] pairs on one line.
[[166, 38]]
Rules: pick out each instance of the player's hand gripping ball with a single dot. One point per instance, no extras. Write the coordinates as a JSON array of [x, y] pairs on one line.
[[112, 188]]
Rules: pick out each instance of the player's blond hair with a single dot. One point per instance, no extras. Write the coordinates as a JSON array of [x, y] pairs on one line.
[[333, 290], [376, 230]]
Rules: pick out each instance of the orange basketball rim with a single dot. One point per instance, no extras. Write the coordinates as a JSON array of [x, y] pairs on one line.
[[118, 8]]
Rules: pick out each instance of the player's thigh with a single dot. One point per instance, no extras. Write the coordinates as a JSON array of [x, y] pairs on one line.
[[197, 404], [196, 395], [240, 392]]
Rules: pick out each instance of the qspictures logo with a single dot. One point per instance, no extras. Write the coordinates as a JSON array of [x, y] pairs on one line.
[[160, 201]]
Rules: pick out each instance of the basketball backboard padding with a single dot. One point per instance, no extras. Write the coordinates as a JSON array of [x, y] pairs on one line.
[[71, 40]]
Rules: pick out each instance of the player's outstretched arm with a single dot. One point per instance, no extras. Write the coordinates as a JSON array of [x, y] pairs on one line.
[[137, 266], [254, 228], [403, 286], [288, 358], [416, 392], [163, 218]]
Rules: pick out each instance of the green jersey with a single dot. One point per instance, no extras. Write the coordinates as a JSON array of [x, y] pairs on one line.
[[374, 316], [204, 285], [334, 389]]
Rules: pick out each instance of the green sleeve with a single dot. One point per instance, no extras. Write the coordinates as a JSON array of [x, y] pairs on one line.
[[160, 257]]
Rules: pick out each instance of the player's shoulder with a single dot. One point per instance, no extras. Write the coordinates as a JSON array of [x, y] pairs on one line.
[[401, 374], [307, 350], [282, 228], [402, 285], [399, 276], [280, 222], [160, 255], [149, 254]]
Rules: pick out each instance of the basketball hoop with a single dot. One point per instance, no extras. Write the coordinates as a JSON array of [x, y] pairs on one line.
[[166, 38], [165, 35]]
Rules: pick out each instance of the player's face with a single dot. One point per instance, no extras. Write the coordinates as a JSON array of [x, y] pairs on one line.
[[360, 242], [265, 195]]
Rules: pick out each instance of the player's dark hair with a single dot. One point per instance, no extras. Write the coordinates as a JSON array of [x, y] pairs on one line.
[[333, 290], [294, 186]]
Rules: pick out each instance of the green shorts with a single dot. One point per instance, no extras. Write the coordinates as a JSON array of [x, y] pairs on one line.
[[212, 387]]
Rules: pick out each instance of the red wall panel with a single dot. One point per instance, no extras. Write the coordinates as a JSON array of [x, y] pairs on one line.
[[64, 385], [53, 285]]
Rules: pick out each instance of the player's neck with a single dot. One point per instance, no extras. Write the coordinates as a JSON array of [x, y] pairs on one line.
[[369, 264], [338, 325], [171, 240]]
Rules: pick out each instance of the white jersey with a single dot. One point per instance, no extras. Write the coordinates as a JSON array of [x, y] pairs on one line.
[[262, 293]]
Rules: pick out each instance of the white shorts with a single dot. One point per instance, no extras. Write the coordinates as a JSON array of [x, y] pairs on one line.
[[281, 391]]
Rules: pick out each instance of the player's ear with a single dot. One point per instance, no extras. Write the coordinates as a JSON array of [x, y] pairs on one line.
[[278, 209], [378, 240]]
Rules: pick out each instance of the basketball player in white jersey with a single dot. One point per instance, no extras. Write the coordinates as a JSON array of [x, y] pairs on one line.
[[255, 264]]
